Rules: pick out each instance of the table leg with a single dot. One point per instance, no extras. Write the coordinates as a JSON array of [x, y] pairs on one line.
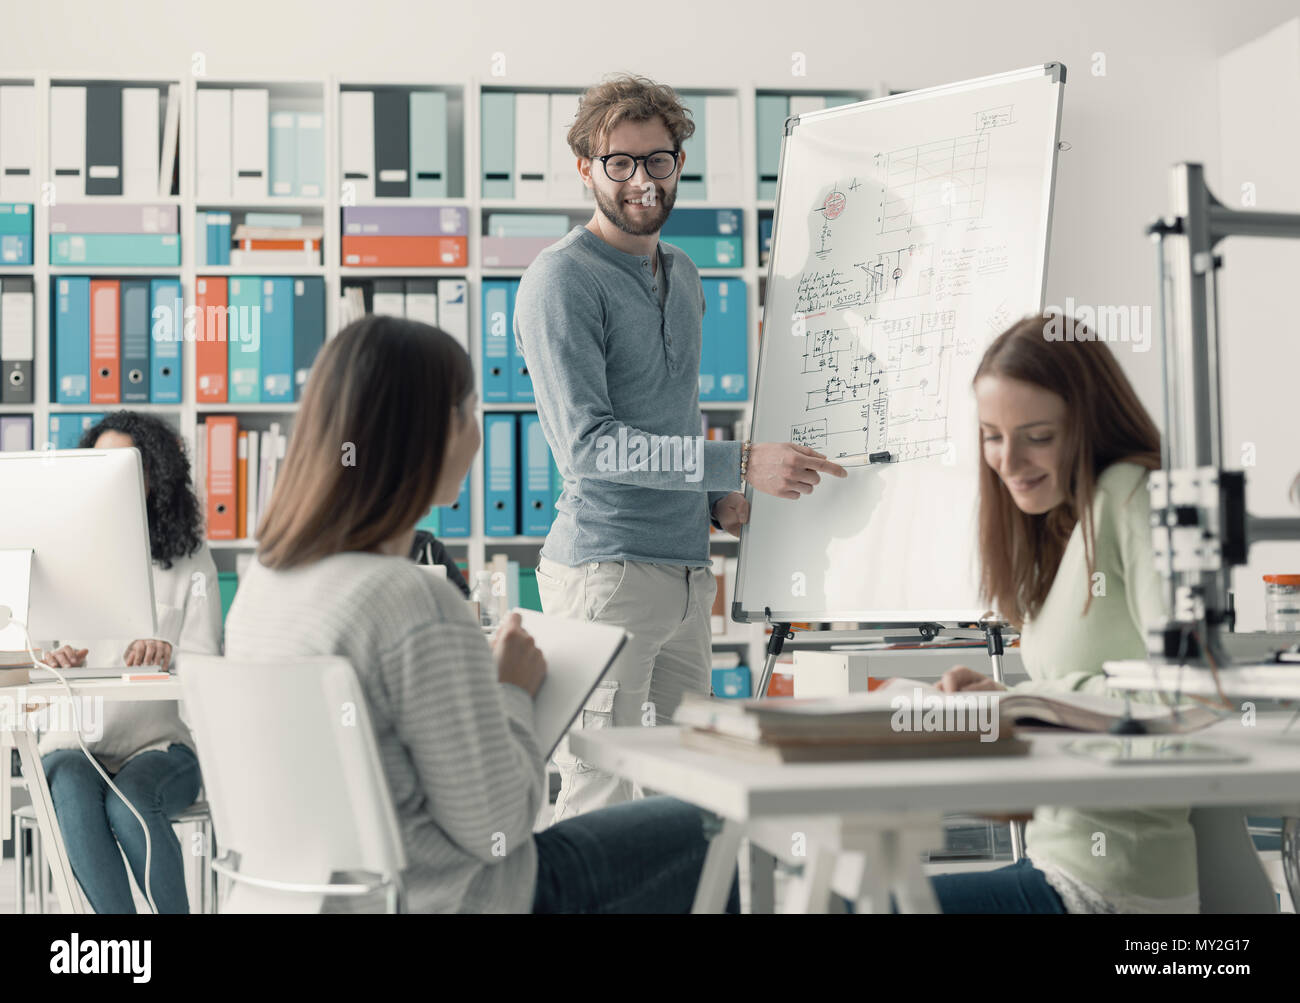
[[762, 880], [1291, 858], [719, 868], [811, 892], [873, 886], [6, 788], [65, 885], [912, 888]]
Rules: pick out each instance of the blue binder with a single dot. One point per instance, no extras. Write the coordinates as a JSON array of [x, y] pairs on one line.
[[428, 144], [537, 501], [277, 340], [15, 249], [521, 382], [135, 341], [455, 517], [66, 429], [725, 331], [498, 144], [497, 339], [703, 223], [432, 521], [167, 331], [499, 496], [308, 328], [72, 341], [244, 337]]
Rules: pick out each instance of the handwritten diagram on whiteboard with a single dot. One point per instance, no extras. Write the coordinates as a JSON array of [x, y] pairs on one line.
[[875, 306], [908, 234]]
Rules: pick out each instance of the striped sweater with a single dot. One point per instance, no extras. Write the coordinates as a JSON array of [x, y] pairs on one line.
[[457, 746]]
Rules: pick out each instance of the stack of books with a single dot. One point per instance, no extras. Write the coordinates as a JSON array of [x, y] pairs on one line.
[[856, 726], [906, 719]]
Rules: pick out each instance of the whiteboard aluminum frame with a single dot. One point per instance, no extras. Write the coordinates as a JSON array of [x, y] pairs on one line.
[[1055, 73]]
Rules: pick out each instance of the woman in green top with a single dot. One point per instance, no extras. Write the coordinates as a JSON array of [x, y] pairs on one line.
[[1065, 552]]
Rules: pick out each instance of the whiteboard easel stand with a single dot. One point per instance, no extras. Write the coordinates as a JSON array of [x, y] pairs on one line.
[[781, 633]]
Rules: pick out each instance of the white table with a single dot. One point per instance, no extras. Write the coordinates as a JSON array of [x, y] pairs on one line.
[[65, 886], [1258, 681], [889, 811]]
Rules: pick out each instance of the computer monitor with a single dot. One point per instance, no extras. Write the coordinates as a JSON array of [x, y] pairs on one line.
[[80, 516]]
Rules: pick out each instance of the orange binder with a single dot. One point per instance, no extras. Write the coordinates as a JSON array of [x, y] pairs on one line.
[[210, 340], [105, 346], [405, 252], [223, 432], [241, 489], [267, 244]]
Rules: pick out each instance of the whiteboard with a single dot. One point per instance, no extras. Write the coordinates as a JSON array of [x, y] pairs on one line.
[[909, 231]]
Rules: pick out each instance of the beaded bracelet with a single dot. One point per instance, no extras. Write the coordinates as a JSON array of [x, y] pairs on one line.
[[744, 459]]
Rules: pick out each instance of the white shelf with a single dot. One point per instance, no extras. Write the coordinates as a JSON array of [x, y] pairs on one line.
[[284, 408], [476, 547]]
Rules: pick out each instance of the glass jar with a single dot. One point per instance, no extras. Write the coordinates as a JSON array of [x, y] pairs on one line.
[[1281, 603]]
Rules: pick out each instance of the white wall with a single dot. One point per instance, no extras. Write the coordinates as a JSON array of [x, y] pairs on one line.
[[1154, 105], [1259, 109]]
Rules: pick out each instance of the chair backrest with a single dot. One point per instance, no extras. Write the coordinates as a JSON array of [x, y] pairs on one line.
[[292, 773]]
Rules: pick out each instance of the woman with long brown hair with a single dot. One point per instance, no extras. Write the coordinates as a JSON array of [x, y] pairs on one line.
[[385, 429], [1065, 551]]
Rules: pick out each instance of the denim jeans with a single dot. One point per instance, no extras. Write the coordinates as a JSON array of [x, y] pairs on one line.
[[634, 857], [94, 821], [1017, 888]]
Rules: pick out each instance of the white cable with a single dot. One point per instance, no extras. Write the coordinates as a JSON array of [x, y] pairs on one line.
[[76, 721]]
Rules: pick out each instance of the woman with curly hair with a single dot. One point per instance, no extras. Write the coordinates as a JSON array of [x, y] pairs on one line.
[[144, 746]]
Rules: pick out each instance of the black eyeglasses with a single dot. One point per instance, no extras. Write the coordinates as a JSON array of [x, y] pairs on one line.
[[621, 166]]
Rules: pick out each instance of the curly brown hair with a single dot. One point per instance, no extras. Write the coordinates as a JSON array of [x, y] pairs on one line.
[[625, 98]]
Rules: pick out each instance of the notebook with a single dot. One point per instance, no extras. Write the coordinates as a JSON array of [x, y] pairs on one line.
[[578, 654]]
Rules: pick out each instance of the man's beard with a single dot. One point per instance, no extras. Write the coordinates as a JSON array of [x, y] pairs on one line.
[[649, 222]]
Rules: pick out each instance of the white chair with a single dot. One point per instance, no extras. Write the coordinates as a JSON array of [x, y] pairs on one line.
[[298, 795], [32, 872]]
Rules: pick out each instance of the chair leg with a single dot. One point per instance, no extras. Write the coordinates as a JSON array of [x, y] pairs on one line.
[[38, 870], [20, 868]]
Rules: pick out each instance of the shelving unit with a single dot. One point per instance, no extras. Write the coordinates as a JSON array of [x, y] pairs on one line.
[[465, 99]]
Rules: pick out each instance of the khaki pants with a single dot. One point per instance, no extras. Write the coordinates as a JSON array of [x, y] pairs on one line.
[[666, 608]]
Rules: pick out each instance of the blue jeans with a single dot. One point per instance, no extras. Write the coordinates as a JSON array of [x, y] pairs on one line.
[[1017, 888], [94, 821], [634, 857]]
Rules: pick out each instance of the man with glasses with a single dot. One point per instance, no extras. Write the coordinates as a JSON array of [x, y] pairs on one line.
[[609, 322]]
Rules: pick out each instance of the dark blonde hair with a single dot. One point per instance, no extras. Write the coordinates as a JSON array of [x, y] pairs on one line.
[[1104, 423], [368, 442], [625, 98]]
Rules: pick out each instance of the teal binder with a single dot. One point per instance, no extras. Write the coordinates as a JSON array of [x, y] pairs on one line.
[[167, 331], [277, 340], [428, 144], [153, 250], [498, 144], [711, 252], [244, 335]]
